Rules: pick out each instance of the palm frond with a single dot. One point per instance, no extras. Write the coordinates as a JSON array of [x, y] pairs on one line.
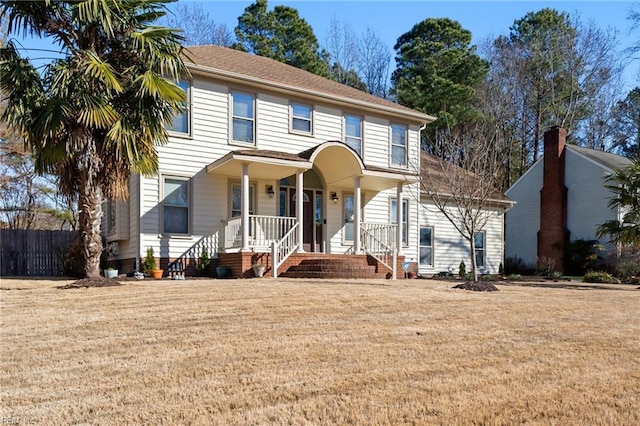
[[101, 71]]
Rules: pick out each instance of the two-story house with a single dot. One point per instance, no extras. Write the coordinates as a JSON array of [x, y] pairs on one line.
[[274, 165]]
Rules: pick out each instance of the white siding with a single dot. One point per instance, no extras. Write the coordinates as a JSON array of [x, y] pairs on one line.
[[587, 198], [523, 220], [450, 247]]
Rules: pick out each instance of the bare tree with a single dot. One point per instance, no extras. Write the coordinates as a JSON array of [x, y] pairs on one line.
[[197, 26], [462, 184], [341, 44], [374, 59]]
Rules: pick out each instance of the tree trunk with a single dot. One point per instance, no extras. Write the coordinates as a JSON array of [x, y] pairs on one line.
[[90, 217], [474, 267]]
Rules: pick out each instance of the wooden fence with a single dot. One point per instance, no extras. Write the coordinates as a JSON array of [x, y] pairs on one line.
[[28, 252]]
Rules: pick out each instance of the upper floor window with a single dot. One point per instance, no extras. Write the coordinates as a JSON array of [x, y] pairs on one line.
[[479, 241], [301, 118], [182, 122], [398, 145], [243, 118], [353, 132], [175, 205]]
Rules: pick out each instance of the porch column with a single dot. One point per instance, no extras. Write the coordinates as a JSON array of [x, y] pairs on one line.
[[356, 214], [300, 207], [396, 252], [244, 207]]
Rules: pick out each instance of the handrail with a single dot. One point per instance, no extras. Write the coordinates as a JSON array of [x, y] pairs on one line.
[[281, 250], [209, 243], [263, 231], [379, 241]]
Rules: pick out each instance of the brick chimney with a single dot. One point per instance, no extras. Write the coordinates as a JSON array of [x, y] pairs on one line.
[[553, 234]]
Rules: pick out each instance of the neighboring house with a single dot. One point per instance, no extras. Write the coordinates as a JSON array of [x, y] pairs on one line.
[[274, 165], [442, 247], [561, 198]]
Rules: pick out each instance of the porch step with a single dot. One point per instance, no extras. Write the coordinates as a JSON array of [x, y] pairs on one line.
[[345, 267]]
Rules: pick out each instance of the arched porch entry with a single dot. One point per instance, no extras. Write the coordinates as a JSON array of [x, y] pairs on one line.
[[313, 208]]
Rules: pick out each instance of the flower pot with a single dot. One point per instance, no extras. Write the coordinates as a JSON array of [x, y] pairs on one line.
[[111, 273], [258, 270], [223, 272], [156, 273]]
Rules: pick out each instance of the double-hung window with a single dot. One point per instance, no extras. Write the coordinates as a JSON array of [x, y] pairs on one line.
[[398, 145], [301, 118], [182, 122], [426, 246], [353, 132], [243, 123], [349, 217], [236, 199], [405, 217], [479, 242], [176, 205]]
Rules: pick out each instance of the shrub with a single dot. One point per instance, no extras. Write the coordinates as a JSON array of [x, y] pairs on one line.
[[600, 277], [501, 269], [515, 277], [515, 265], [627, 264], [582, 256], [149, 262], [546, 266], [462, 269], [204, 264]]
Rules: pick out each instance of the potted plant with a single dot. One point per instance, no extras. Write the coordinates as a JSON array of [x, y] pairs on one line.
[[223, 271], [149, 265], [258, 269], [110, 273]]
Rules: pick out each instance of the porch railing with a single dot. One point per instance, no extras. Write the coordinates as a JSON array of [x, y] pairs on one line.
[[263, 231], [207, 243], [282, 249], [379, 241]]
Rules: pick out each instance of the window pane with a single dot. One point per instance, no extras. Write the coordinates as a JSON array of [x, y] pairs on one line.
[[356, 144], [176, 192], [301, 111], [180, 123], [352, 126], [236, 200], [479, 257], [242, 105], [398, 134], [425, 237], [348, 217], [302, 125], [479, 240], [398, 155], [242, 130], [176, 220], [425, 255]]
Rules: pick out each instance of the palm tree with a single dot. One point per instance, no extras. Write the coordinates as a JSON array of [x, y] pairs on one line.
[[625, 185], [93, 116]]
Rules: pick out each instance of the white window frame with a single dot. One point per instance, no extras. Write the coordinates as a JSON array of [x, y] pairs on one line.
[[189, 205], [431, 262], [360, 138], [344, 216], [405, 222], [188, 112], [253, 119], [252, 198], [112, 217], [293, 117], [405, 146], [483, 249]]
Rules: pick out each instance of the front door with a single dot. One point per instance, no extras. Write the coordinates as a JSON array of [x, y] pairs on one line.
[[312, 214]]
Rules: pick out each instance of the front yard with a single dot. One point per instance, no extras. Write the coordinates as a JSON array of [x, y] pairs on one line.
[[318, 352]]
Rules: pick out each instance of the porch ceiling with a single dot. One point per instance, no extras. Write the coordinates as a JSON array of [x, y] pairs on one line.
[[262, 164]]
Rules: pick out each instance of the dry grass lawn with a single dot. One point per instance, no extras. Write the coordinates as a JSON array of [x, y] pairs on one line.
[[330, 352]]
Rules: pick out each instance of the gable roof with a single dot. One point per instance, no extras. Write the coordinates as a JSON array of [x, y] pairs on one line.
[[431, 172], [234, 65], [604, 159]]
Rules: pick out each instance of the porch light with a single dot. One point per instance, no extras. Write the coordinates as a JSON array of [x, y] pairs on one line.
[[270, 191], [334, 197]]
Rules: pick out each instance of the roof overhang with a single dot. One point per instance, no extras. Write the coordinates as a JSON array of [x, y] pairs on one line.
[[261, 165]]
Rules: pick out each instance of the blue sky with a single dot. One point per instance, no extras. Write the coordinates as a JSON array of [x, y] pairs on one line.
[[390, 19]]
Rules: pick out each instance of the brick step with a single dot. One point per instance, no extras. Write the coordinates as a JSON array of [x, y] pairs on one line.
[[329, 274]]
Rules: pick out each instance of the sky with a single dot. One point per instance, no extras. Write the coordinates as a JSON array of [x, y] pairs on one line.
[[390, 19], [484, 19]]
